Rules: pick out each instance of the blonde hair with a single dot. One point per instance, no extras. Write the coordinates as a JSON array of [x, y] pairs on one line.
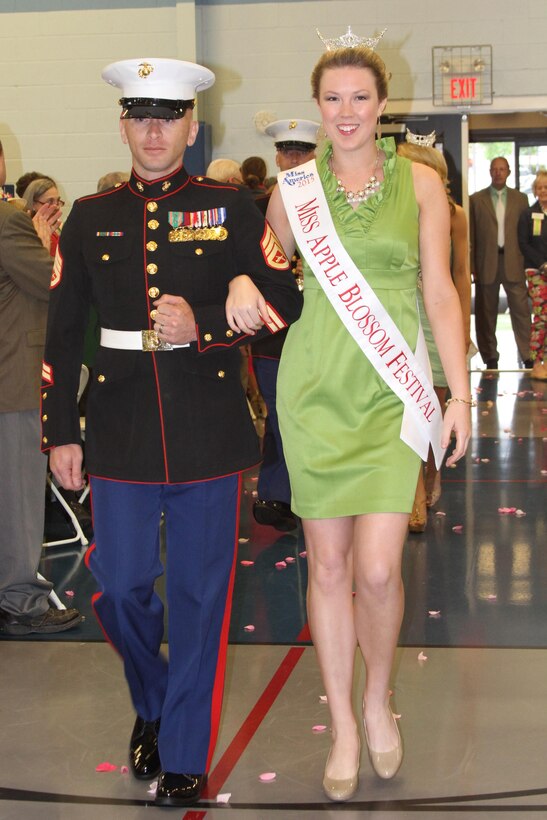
[[539, 175], [431, 157], [223, 170], [358, 57]]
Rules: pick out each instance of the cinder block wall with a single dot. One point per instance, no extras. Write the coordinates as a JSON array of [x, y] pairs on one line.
[[57, 115]]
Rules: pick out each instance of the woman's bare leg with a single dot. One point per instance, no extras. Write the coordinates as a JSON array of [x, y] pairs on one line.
[[379, 603], [329, 545]]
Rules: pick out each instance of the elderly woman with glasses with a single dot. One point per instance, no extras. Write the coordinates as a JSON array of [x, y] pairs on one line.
[[44, 205]]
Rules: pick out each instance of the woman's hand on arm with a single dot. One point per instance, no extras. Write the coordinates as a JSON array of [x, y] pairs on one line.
[[245, 306]]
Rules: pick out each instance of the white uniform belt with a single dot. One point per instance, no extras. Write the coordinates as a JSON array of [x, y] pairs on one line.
[[146, 340]]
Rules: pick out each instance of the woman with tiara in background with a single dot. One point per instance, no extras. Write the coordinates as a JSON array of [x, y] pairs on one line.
[[347, 373]]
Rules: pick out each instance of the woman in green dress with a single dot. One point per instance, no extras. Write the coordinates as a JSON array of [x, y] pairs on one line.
[[352, 477]]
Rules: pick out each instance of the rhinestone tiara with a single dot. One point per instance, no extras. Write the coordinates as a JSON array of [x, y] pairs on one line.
[[425, 140], [350, 40]]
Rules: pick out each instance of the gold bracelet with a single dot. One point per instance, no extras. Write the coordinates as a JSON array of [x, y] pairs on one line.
[[470, 402]]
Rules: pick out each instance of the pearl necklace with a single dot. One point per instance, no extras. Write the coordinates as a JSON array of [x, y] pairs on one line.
[[368, 189]]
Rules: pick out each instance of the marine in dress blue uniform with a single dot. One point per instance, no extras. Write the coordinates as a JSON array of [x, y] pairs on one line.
[[167, 429], [295, 143]]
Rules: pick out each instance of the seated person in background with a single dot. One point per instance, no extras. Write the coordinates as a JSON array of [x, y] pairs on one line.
[[44, 204], [111, 180], [254, 172], [225, 170]]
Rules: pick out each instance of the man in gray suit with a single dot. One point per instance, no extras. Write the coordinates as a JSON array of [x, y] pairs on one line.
[[25, 274], [496, 260]]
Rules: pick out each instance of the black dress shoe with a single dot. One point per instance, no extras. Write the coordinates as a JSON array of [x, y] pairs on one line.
[[276, 514], [492, 364], [144, 757], [179, 789], [53, 620]]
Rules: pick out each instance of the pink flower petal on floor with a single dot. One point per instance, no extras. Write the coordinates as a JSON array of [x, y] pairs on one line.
[[106, 767], [243, 540], [434, 613], [153, 787], [280, 565], [224, 798], [485, 461], [320, 727], [247, 563], [543, 472], [267, 777], [492, 597], [249, 628], [519, 513], [422, 657], [69, 593], [458, 528], [441, 513], [124, 769], [323, 698], [289, 559], [507, 510], [254, 493], [303, 554]]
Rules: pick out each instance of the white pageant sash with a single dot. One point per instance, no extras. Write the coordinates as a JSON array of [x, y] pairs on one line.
[[408, 374]]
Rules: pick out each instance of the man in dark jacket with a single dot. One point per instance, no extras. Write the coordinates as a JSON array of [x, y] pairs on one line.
[[167, 427]]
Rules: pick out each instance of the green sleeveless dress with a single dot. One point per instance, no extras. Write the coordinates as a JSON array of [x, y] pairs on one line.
[[340, 423]]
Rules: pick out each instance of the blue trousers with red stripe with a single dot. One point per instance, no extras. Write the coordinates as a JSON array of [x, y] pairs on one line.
[[201, 521]]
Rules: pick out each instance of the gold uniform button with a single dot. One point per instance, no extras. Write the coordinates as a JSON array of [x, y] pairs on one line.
[[152, 207], [154, 292], [105, 257], [44, 440], [151, 268], [199, 179], [208, 337], [101, 378], [153, 224], [44, 395], [221, 374], [151, 246], [153, 314], [44, 417], [229, 333], [198, 251]]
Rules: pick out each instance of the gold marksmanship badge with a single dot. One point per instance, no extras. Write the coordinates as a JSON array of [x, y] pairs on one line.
[[218, 233]]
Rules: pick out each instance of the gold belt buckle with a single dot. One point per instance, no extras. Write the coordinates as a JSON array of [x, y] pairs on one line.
[[152, 343]]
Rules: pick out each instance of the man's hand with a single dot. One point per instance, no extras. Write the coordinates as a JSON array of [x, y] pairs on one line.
[[175, 321], [65, 462]]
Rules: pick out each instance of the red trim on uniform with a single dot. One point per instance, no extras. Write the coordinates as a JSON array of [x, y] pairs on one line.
[[275, 322], [94, 598], [225, 186], [162, 425], [218, 688], [237, 339], [192, 481], [57, 272], [252, 722], [87, 555], [100, 194]]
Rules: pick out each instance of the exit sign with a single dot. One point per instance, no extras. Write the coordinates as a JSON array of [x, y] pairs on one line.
[[462, 89], [462, 75]]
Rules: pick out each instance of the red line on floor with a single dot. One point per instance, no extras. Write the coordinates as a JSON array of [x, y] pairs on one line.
[[250, 725]]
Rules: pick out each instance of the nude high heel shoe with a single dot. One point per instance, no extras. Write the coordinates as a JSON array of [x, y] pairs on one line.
[[386, 764], [341, 790]]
